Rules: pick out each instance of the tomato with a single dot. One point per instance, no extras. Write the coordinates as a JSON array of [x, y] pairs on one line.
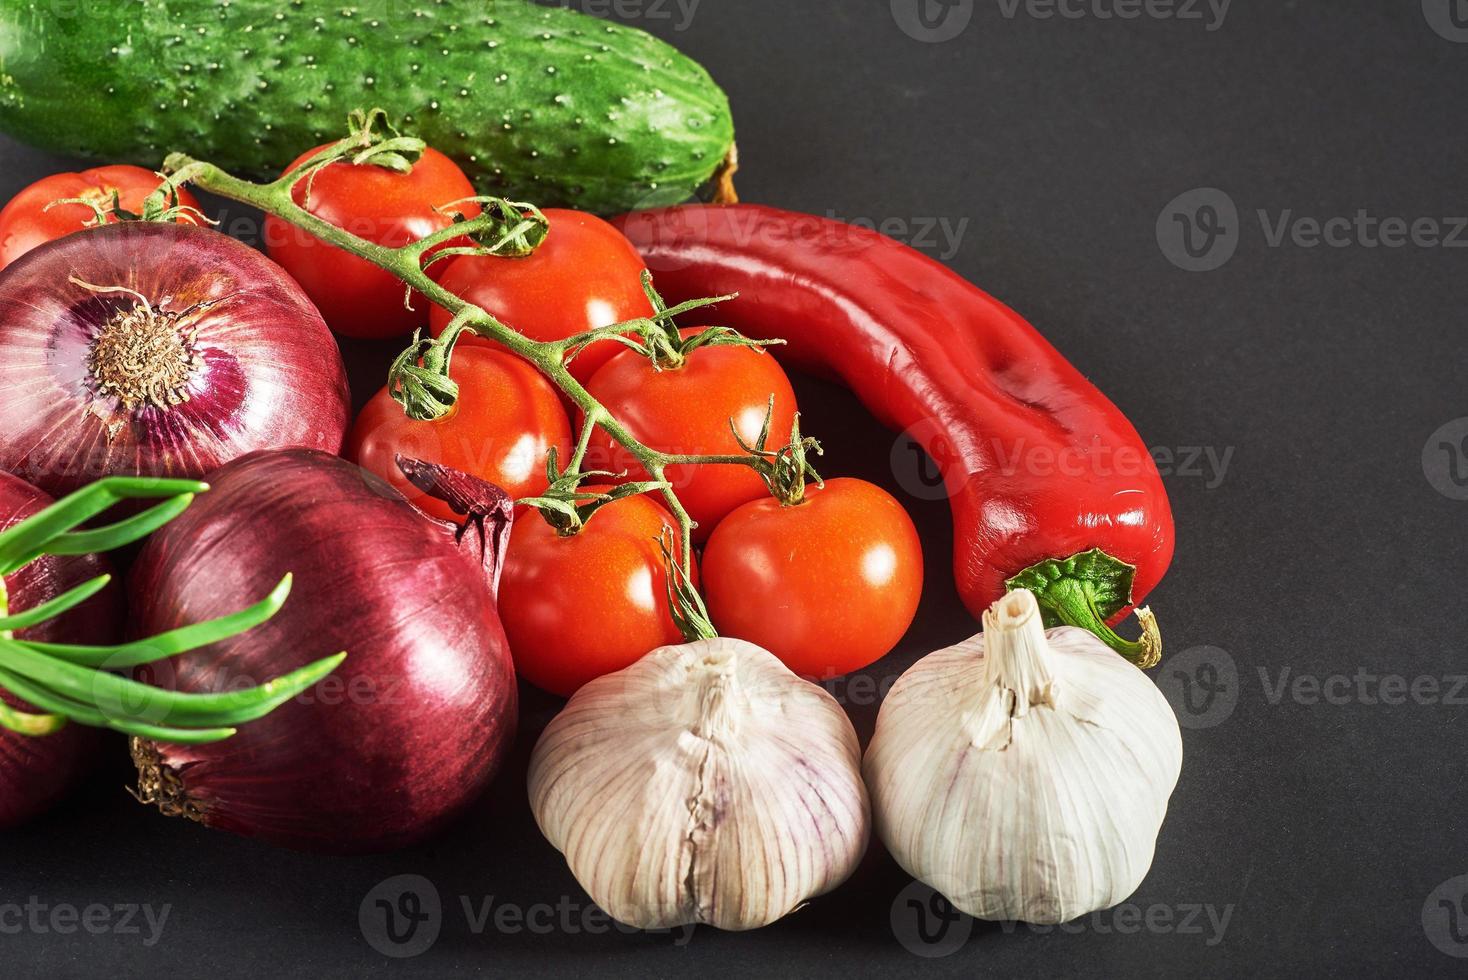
[[583, 276], [356, 298], [25, 222], [686, 410], [506, 420], [828, 585], [579, 606]]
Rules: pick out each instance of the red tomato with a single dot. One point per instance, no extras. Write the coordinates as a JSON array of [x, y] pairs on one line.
[[583, 276], [506, 420], [25, 222], [579, 606], [356, 298], [686, 410], [828, 585]]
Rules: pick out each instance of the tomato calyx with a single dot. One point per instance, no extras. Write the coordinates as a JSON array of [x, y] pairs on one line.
[[504, 229], [566, 505], [106, 205], [785, 471], [373, 140], [419, 379], [664, 344]]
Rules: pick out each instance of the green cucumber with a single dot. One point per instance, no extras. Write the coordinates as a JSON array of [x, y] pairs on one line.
[[535, 103]]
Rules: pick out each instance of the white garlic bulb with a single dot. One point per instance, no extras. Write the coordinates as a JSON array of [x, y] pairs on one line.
[[706, 783], [1024, 773]]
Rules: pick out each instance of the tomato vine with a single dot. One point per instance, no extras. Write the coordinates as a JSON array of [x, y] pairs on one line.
[[420, 379]]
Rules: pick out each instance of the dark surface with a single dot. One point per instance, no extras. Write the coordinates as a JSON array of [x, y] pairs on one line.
[[1324, 550]]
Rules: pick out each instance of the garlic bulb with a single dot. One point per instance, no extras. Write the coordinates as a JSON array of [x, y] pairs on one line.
[[706, 783], [1024, 773]]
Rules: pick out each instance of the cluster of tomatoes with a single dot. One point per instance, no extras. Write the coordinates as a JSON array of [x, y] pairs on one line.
[[828, 582]]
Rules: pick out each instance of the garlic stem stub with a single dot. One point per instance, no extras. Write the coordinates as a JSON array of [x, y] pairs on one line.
[[1024, 773], [706, 783]]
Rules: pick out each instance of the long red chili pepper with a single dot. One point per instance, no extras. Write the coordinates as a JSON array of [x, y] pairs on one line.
[[1050, 485]]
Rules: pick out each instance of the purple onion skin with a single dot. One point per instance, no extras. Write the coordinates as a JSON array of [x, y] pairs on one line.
[[412, 725], [36, 772], [268, 373]]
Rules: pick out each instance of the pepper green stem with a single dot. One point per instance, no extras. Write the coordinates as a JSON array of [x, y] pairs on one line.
[[1086, 590], [1072, 604]]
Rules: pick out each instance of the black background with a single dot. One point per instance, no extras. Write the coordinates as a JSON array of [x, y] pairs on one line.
[[1324, 550]]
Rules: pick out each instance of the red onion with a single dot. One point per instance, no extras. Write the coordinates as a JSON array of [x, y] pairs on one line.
[[414, 722], [147, 349], [36, 771]]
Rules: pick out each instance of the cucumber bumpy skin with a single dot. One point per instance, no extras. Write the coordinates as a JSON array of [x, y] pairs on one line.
[[535, 103]]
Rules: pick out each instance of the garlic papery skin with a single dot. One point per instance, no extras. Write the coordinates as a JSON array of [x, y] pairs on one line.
[[706, 783], [1024, 773]]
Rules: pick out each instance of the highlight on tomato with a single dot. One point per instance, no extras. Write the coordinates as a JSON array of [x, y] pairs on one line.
[[395, 192], [101, 195], [502, 429], [827, 576], [583, 276]]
